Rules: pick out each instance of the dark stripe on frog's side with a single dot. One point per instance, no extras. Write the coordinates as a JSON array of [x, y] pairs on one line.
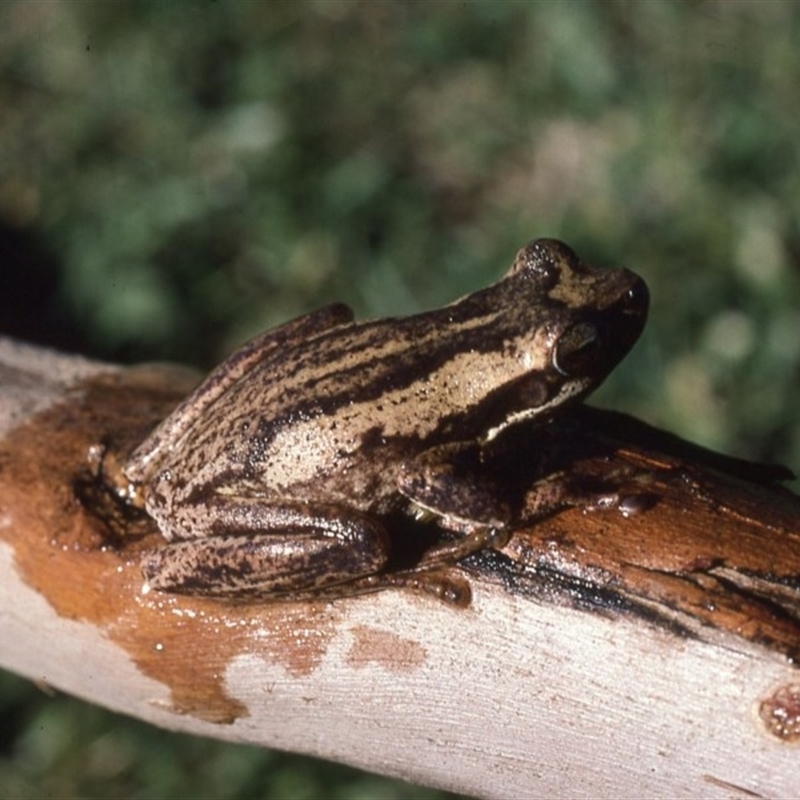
[[332, 386], [395, 345], [402, 352]]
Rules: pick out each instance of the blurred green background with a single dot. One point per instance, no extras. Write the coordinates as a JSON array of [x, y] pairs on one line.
[[176, 176]]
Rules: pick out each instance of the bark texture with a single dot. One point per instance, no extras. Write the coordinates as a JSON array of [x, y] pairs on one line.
[[641, 642]]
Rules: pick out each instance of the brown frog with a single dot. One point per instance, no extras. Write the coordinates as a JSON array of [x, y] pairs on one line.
[[270, 479]]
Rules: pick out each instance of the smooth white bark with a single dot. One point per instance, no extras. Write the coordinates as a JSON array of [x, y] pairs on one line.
[[508, 698]]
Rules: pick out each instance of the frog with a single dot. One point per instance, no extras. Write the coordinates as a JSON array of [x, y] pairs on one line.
[[275, 477]]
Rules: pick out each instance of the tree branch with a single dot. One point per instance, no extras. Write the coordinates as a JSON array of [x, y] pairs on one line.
[[645, 647]]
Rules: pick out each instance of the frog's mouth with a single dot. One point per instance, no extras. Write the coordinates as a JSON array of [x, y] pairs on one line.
[[536, 396]]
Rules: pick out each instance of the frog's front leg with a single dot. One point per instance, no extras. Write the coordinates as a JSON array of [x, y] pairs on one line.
[[483, 490], [253, 549], [486, 490], [456, 484], [452, 484]]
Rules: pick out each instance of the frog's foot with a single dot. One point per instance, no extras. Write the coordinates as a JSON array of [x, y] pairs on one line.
[[448, 553], [440, 583]]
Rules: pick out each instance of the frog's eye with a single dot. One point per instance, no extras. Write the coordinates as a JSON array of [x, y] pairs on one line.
[[576, 349]]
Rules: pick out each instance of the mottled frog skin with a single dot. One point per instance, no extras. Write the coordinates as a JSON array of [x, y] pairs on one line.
[[272, 477]]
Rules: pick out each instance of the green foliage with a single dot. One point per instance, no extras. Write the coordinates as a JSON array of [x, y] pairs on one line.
[[190, 173]]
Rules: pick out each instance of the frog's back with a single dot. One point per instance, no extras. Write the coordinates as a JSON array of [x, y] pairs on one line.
[[336, 404], [333, 374], [359, 388]]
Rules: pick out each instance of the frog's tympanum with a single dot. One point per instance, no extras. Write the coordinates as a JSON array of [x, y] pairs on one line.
[[273, 478]]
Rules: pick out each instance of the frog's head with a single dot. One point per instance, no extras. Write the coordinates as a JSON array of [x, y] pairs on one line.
[[565, 325], [594, 315]]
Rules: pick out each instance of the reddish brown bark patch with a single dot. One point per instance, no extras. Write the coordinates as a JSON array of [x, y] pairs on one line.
[[84, 560], [392, 652]]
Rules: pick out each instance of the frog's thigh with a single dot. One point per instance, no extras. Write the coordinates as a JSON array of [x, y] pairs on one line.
[[271, 551]]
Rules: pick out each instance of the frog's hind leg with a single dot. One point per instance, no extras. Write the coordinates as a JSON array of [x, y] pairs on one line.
[[271, 552]]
